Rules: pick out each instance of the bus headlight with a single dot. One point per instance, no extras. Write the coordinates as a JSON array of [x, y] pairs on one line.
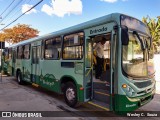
[[128, 90]]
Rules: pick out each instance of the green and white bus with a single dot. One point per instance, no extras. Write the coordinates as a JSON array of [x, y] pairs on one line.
[[64, 62]]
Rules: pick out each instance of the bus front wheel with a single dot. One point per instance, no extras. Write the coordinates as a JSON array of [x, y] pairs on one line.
[[70, 94]]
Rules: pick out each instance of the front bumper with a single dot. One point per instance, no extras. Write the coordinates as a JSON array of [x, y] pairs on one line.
[[123, 103]]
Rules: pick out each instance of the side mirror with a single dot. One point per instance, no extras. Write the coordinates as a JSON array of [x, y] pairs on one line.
[[124, 35]]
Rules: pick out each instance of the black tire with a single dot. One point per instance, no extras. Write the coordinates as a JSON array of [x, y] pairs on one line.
[[70, 94], [19, 78]]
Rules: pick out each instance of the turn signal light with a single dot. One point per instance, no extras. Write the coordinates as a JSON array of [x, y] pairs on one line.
[[124, 86]]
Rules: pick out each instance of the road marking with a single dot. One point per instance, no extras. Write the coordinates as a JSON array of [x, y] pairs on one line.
[[102, 93], [98, 106]]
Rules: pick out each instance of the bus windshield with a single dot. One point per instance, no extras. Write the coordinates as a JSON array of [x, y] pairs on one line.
[[136, 61], [134, 24]]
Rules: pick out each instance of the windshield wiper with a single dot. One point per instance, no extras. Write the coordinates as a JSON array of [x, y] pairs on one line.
[[135, 33]]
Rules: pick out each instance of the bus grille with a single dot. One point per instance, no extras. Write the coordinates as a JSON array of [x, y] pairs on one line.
[[143, 84], [146, 99]]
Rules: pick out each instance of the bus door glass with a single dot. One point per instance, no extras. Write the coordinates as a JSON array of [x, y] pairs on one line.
[[35, 63], [14, 61], [9, 67], [88, 69]]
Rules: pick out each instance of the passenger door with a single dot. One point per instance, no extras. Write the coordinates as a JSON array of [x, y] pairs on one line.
[[101, 90], [88, 73], [14, 61], [35, 64]]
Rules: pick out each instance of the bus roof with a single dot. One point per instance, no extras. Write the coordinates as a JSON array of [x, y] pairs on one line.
[[98, 21]]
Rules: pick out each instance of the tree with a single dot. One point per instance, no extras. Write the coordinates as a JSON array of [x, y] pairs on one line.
[[154, 27], [18, 33]]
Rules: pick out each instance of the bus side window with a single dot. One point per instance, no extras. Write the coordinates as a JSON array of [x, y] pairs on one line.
[[42, 49], [20, 52], [52, 48], [14, 56], [73, 46], [6, 54], [10, 54], [26, 51]]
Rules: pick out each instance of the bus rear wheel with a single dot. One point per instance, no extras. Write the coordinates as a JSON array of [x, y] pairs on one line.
[[70, 94], [19, 78]]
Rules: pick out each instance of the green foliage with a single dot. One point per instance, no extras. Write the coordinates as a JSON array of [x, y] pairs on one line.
[[154, 27], [18, 33]]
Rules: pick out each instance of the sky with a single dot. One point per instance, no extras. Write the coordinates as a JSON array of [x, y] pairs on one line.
[[54, 15]]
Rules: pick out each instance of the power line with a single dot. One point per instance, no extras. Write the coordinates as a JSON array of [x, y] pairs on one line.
[[21, 15], [16, 12], [7, 7], [11, 10]]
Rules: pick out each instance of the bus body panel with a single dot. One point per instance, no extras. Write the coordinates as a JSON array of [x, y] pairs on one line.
[[26, 70], [53, 68]]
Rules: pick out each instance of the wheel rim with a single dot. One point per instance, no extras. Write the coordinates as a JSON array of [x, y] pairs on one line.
[[70, 94]]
